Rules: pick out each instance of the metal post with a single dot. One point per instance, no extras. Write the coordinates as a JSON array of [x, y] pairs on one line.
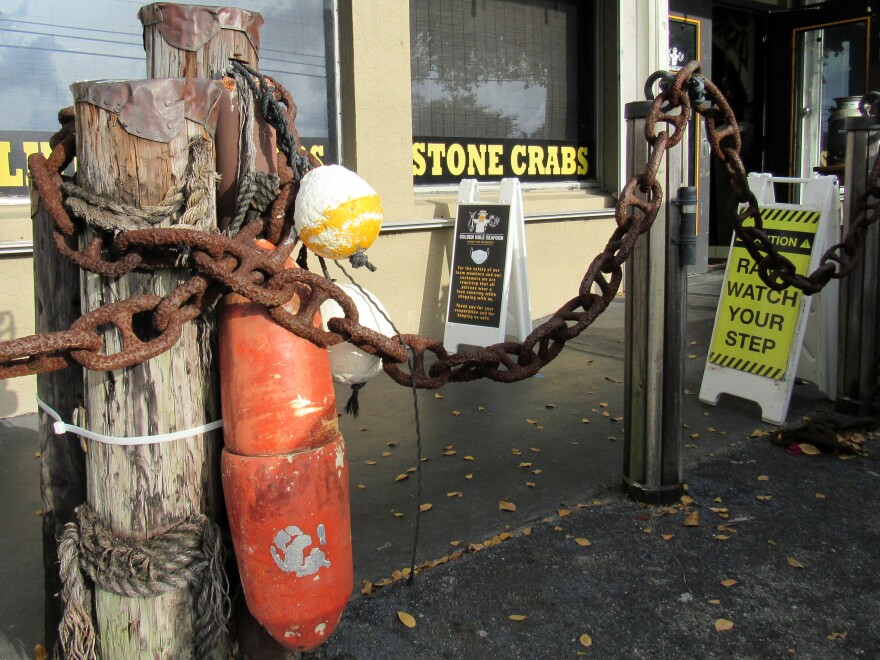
[[656, 292], [857, 348]]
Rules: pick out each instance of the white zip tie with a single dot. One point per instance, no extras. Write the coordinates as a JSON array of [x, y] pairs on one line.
[[60, 428]]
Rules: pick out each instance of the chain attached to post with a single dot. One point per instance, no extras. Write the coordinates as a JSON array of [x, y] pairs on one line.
[[223, 264]]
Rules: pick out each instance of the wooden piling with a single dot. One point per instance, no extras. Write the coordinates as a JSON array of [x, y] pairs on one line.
[[197, 42], [142, 491], [62, 459]]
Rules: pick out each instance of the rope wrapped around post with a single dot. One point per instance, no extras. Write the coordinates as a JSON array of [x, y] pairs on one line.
[[189, 554]]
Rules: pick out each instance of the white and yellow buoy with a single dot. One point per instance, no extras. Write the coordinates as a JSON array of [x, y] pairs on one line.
[[337, 213]]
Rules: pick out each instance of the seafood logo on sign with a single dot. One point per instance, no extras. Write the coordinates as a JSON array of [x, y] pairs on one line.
[[292, 543]]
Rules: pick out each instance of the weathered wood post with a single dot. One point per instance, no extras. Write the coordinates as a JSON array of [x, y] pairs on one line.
[[62, 459], [656, 293], [858, 348], [133, 145], [197, 42], [194, 41]]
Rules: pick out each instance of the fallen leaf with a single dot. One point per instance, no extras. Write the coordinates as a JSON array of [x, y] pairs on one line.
[[763, 477], [794, 563], [386, 454], [692, 519], [369, 462], [550, 405], [455, 544], [469, 476], [397, 514], [585, 640], [584, 420], [506, 506], [714, 601], [687, 500], [437, 395], [368, 588], [455, 493], [692, 356], [584, 543], [504, 536], [537, 471], [690, 446], [410, 470], [820, 496], [427, 506], [531, 421], [530, 484], [721, 537], [808, 449], [517, 617], [539, 426], [468, 458], [764, 498], [456, 412], [596, 501], [525, 465], [557, 528], [647, 530], [401, 477], [527, 531], [687, 392], [728, 582], [722, 625], [617, 419], [757, 433], [837, 635], [718, 499], [361, 486], [694, 436], [449, 452], [406, 619], [667, 537], [535, 449], [564, 512]]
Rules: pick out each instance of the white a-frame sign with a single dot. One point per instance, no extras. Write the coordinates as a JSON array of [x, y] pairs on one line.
[[758, 333], [488, 281]]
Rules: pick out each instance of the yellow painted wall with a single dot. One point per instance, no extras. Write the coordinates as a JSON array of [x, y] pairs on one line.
[[17, 395]]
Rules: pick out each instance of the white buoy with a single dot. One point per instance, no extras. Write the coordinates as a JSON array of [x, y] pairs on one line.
[[349, 364]]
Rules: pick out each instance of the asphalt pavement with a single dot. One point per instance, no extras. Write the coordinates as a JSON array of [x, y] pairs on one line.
[[779, 548]]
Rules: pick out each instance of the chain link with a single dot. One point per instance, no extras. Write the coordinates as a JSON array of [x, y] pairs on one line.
[[237, 265]]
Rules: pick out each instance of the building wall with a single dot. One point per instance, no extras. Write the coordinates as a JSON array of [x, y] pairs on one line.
[[17, 396], [566, 225]]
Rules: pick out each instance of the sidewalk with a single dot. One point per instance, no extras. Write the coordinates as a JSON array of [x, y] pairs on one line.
[[634, 593]]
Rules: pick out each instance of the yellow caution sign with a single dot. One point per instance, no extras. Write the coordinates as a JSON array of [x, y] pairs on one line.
[[755, 326]]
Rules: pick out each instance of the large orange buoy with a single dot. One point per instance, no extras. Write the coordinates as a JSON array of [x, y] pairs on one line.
[[285, 476]]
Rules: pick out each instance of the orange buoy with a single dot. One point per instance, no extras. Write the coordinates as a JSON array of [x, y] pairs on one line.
[[285, 475]]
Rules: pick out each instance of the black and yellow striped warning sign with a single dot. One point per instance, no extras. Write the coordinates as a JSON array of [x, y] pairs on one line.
[[755, 326]]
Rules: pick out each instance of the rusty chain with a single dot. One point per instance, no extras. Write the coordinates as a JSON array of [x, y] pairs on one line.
[[293, 296]]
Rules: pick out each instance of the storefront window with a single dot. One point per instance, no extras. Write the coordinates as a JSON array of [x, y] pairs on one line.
[[502, 88], [47, 45]]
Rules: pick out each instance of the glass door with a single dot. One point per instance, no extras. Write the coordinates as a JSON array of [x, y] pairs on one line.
[[817, 69], [831, 69]]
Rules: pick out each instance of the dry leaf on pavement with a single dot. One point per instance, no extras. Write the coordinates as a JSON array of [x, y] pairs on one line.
[[406, 619], [723, 624]]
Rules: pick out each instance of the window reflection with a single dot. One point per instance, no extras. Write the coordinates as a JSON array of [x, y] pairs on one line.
[[47, 45]]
